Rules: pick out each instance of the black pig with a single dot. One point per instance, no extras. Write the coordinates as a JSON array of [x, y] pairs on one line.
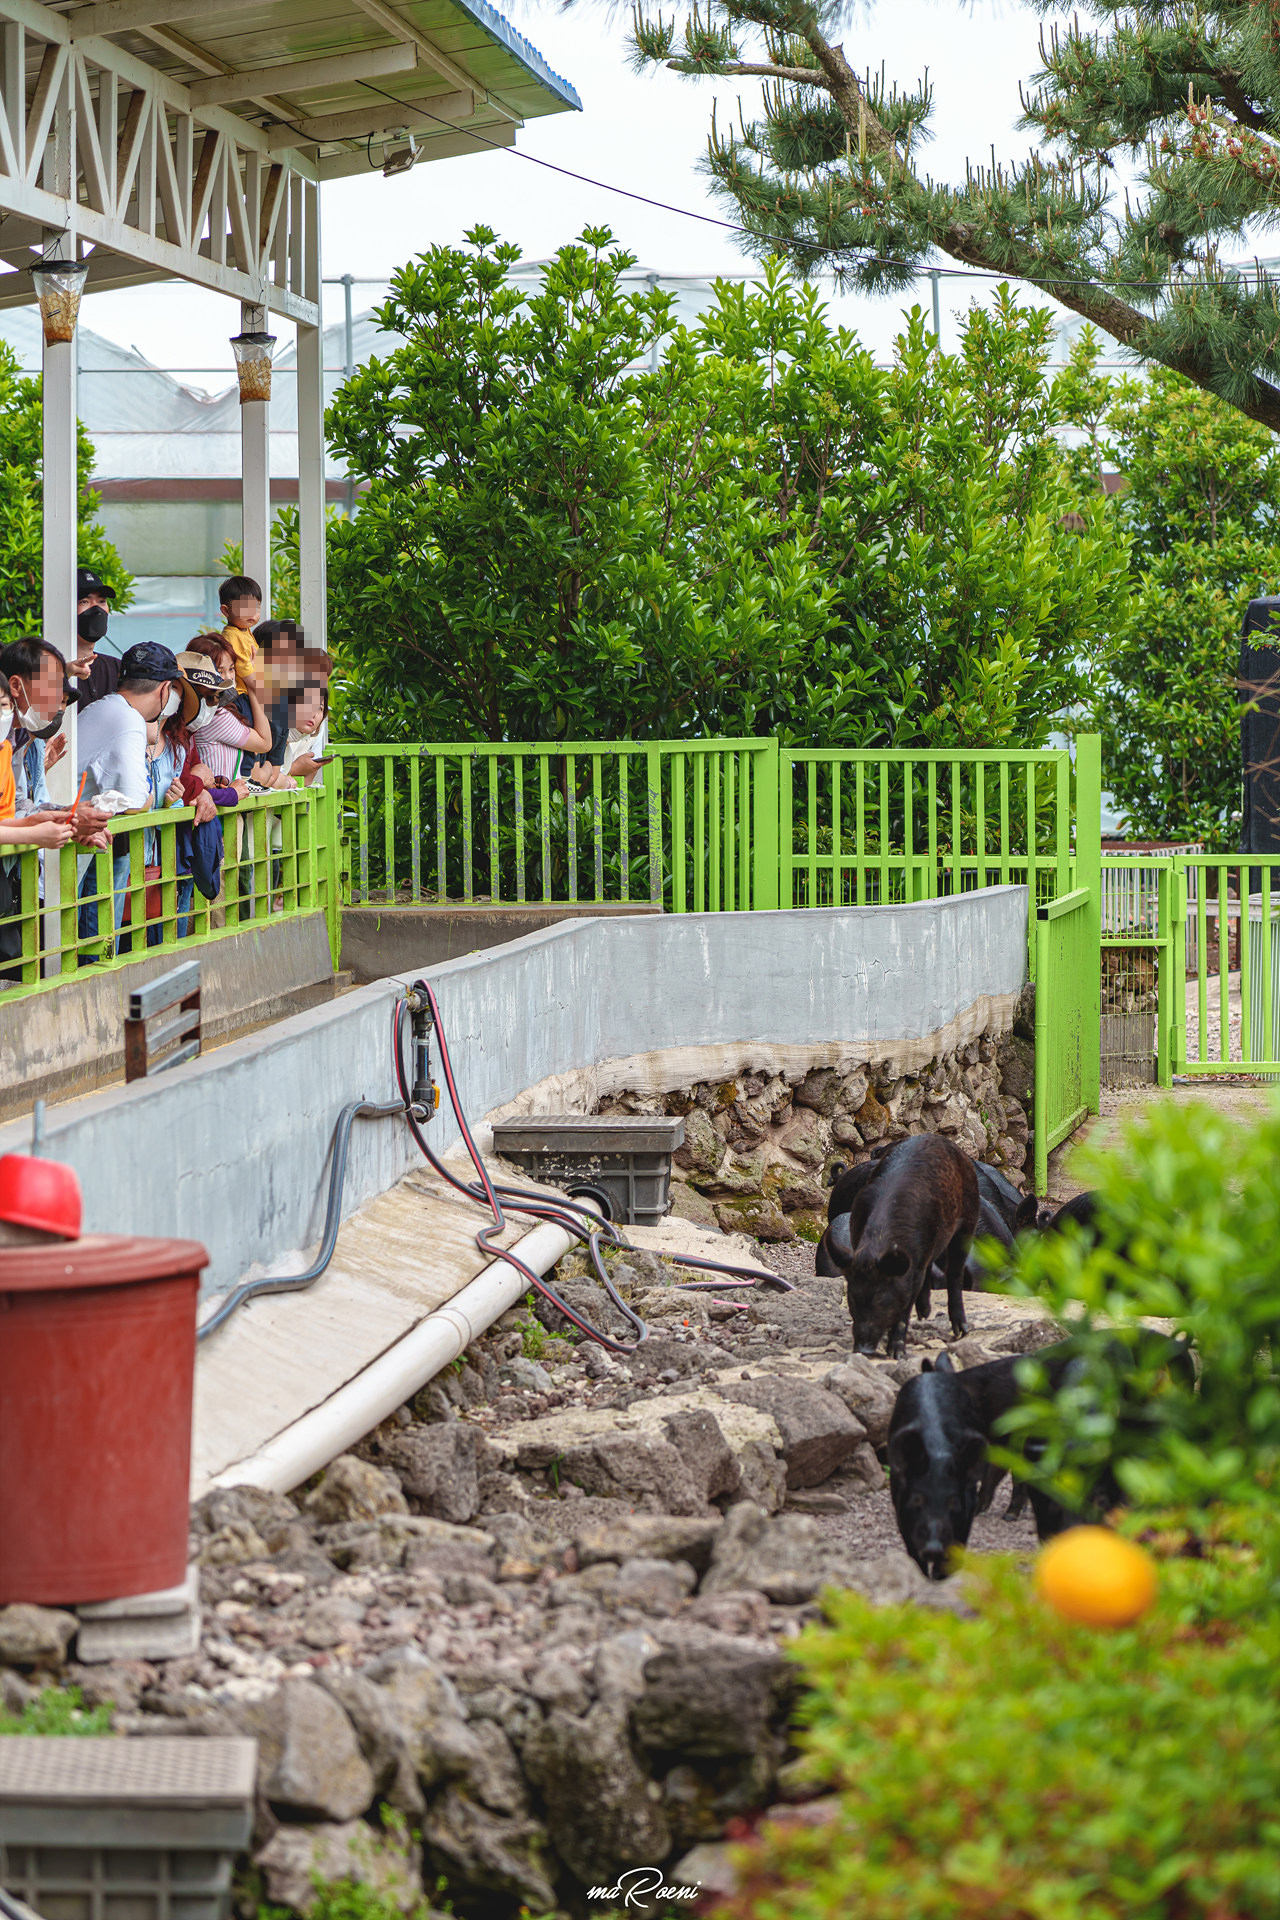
[[937, 1458], [991, 1226], [998, 1192], [1083, 1210], [919, 1204], [939, 1478]]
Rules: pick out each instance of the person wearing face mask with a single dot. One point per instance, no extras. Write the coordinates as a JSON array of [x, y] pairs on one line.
[[34, 672], [97, 675], [16, 833], [111, 741]]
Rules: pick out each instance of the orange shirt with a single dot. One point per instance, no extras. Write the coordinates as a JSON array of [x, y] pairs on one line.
[[246, 651], [8, 792]]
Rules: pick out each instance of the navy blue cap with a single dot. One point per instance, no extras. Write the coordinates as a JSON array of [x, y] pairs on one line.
[[149, 661]]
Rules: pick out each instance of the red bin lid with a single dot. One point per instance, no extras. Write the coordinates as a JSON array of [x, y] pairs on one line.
[[98, 1260]]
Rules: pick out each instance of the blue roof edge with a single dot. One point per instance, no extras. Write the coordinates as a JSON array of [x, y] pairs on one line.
[[525, 52]]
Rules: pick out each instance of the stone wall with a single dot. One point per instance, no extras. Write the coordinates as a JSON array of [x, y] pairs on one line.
[[761, 1148]]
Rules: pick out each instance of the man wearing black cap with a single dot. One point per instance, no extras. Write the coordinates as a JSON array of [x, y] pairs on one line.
[[97, 677], [111, 754]]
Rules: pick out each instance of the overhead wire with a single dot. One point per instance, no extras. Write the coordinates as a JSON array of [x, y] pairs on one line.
[[866, 258]]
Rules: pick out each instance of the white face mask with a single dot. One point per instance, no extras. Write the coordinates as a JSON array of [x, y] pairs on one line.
[[32, 720], [6, 724], [204, 716], [170, 706]]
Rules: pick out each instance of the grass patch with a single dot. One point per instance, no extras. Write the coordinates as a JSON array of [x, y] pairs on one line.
[[57, 1710]]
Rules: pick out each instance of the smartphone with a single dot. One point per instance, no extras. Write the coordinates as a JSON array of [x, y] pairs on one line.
[[324, 759]]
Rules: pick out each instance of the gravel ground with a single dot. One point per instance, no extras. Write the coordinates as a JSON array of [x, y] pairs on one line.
[[869, 1527], [815, 1321]]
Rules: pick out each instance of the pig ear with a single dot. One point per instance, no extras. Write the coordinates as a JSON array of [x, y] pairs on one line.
[[972, 1452], [834, 1172], [839, 1238], [1027, 1214], [944, 1364], [926, 1365], [907, 1450]]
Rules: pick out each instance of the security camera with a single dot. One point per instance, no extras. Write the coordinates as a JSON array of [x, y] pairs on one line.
[[399, 155]]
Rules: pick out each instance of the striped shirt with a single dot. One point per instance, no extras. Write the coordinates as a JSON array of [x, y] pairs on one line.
[[220, 741]]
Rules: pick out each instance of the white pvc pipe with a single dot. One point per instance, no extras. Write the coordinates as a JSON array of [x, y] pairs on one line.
[[354, 1410]]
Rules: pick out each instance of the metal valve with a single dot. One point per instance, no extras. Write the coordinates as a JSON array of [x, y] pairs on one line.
[[425, 1100]]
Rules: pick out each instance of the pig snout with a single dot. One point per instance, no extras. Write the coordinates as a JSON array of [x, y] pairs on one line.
[[933, 1556]]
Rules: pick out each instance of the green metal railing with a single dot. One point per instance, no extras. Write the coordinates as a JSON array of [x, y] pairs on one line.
[[1066, 1022], [704, 826], [1211, 923], [689, 826], [1149, 925], [1227, 1028], [279, 861], [869, 828]]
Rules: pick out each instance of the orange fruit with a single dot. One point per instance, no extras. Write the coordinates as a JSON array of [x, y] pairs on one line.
[[1091, 1575]]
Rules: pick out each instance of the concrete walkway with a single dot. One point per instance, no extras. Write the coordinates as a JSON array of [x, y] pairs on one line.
[[1243, 1103]]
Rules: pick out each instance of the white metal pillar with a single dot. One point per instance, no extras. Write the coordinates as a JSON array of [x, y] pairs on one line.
[[311, 484], [255, 475], [58, 457], [58, 591]]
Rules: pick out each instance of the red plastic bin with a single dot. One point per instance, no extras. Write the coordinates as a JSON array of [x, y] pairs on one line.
[[97, 1363]]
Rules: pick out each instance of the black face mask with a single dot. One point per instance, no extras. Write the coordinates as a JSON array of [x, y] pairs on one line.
[[47, 733], [91, 625]]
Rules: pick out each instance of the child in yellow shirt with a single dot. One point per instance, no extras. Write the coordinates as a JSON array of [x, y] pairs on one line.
[[241, 602]]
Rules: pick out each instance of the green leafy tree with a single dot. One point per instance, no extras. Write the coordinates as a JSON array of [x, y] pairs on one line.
[[1200, 506], [21, 536], [767, 534], [830, 173], [514, 571]]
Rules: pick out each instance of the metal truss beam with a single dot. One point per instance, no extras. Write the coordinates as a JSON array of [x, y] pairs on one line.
[[100, 147], [129, 16], [362, 63], [381, 118]]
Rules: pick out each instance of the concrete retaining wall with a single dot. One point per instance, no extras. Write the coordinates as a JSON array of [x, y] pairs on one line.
[[69, 1038], [378, 940], [233, 1148]]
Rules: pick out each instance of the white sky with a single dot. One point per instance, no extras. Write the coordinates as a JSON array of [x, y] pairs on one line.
[[643, 132]]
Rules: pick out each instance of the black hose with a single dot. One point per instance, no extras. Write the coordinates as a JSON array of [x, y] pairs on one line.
[[295, 1282]]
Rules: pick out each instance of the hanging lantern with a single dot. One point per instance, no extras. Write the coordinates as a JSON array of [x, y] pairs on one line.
[[58, 285], [253, 364]]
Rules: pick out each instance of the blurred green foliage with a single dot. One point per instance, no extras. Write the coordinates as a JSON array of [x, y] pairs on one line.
[[57, 1710], [1011, 1766], [1190, 1228]]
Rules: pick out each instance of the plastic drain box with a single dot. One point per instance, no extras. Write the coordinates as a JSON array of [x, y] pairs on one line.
[[119, 1829], [628, 1156]]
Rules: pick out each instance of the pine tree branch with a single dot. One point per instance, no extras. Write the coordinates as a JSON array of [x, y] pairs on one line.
[[793, 76], [1240, 106]]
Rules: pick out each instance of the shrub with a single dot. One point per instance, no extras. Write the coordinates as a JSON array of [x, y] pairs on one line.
[[1014, 1767], [1192, 1213]]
